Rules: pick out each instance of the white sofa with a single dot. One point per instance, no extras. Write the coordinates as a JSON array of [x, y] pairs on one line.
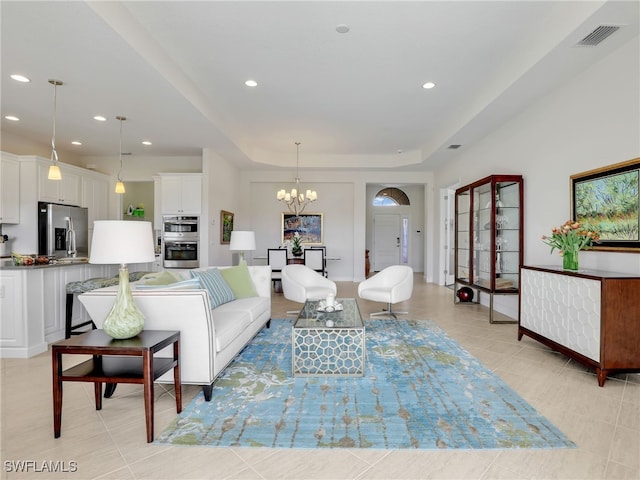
[[209, 338]]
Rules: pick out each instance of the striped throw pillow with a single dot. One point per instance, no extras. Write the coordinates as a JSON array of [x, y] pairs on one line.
[[219, 291]]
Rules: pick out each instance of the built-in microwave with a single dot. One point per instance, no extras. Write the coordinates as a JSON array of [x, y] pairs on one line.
[[180, 242], [179, 224]]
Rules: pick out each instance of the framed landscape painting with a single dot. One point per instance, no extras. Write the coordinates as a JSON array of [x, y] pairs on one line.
[[606, 200], [226, 227], [308, 225]]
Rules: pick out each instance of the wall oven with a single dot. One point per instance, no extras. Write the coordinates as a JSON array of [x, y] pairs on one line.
[[180, 242]]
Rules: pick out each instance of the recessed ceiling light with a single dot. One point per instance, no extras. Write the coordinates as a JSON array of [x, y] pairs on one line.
[[428, 85], [12, 118], [147, 142], [75, 142], [100, 118], [251, 83], [20, 78], [342, 28]]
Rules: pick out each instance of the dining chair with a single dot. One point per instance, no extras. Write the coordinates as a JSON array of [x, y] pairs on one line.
[[314, 259], [324, 259], [277, 259]]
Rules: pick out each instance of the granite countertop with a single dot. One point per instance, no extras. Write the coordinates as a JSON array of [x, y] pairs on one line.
[[7, 264]]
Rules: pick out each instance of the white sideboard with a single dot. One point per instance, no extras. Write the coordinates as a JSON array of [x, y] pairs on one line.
[[591, 316]]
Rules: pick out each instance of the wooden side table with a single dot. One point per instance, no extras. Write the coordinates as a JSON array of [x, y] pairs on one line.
[[116, 361]]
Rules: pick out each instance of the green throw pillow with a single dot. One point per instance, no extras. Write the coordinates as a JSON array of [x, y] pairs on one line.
[[219, 291], [159, 278], [239, 279]]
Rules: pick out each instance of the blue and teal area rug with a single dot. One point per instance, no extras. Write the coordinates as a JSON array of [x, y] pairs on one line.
[[421, 390]]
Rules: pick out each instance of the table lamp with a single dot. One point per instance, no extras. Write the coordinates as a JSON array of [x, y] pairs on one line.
[[242, 241], [122, 242]]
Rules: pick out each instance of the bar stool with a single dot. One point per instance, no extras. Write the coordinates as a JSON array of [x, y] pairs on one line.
[[82, 286]]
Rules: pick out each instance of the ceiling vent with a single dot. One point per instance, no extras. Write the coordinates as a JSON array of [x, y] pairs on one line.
[[597, 36]]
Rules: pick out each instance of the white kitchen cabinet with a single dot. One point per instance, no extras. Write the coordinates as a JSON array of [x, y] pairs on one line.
[[95, 197], [181, 194], [66, 191], [23, 310], [9, 189], [13, 308]]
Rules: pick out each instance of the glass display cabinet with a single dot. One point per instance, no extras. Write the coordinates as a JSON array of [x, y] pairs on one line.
[[488, 239]]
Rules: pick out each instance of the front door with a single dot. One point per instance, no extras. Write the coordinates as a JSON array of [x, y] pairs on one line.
[[386, 241]]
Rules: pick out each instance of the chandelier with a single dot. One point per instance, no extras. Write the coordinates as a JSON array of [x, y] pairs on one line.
[[295, 200]]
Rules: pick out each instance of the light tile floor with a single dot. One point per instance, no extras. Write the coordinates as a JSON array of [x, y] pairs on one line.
[[110, 444]]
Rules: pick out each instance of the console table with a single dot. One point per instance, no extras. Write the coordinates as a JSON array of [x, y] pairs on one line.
[[591, 316], [116, 361]]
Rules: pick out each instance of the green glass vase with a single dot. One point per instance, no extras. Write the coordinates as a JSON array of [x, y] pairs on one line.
[[570, 260], [125, 319]]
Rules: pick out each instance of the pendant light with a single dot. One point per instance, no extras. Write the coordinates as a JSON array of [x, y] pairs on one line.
[[119, 184], [54, 169]]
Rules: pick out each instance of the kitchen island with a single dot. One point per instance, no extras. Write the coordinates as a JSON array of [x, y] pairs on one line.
[[33, 302]]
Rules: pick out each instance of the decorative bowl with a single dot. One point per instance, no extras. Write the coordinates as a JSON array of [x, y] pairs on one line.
[[20, 259]]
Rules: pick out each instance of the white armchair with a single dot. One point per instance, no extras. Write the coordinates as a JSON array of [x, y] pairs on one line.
[[301, 283], [391, 285]]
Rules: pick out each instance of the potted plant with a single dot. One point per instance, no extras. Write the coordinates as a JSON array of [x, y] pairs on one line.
[[296, 250]]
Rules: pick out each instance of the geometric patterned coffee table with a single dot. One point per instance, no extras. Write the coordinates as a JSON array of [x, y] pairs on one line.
[[321, 350]]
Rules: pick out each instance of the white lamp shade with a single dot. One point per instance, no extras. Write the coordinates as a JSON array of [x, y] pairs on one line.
[[122, 242], [54, 173], [242, 241]]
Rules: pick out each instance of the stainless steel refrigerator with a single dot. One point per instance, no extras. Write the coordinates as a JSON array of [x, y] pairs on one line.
[[63, 231]]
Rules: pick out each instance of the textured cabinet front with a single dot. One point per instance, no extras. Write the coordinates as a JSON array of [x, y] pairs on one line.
[[563, 309]]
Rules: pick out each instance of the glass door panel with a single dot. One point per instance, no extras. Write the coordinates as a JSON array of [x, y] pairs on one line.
[[463, 239]]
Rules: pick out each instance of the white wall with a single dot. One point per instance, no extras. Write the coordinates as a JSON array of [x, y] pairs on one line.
[[590, 122], [220, 192], [335, 203]]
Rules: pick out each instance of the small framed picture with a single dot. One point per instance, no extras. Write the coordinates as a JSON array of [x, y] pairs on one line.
[[226, 227]]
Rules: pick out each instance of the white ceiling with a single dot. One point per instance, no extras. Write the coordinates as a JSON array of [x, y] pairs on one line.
[[176, 70]]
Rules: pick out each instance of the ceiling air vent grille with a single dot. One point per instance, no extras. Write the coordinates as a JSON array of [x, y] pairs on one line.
[[598, 35]]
